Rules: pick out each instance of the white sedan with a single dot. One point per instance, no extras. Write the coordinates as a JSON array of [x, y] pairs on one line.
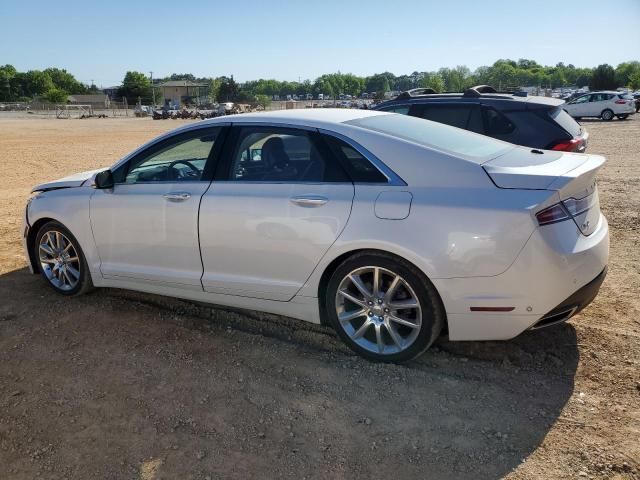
[[389, 228]]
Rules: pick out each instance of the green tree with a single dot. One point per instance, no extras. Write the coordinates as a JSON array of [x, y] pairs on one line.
[[634, 81], [65, 81], [37, 83], [56, 95], [434, 81], [625, 71], [228, 90], [7, 72], [214, 89], [134, 85], [603, 78], [263, 100]]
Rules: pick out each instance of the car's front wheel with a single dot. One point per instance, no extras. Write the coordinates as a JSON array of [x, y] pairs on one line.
[[607, 115], [61, 260], [383, 307]]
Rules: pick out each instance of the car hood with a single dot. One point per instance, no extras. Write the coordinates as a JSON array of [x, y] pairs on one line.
[[75, 180]]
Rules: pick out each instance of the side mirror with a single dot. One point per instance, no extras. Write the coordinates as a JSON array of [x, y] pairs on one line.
[[104, 180]]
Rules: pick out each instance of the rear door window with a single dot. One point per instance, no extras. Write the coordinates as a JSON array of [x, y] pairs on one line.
[[281, 155], [495, 123], [455, 115]]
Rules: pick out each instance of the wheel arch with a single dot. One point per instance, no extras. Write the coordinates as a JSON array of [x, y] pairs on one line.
[[31, 240], [333, 265]]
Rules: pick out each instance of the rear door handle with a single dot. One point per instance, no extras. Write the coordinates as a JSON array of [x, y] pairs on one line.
[[309, 200], [177, 196]]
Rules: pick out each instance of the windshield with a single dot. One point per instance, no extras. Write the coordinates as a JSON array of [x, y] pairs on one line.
[[436, 135]]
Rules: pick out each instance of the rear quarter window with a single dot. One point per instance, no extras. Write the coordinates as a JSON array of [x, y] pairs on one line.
[[565, 120], [436, 135]]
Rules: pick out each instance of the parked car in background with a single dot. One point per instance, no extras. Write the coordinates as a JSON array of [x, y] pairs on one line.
[[387, 227], [604, 105], [537, 122], [636, 98]]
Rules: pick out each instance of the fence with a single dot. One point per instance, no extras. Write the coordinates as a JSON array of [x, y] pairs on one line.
[[115, 109]]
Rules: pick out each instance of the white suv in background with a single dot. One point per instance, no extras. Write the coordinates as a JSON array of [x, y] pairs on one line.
[[605, 105]]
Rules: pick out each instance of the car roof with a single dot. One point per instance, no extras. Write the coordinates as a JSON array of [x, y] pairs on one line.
[[554, 102], [312, 117]]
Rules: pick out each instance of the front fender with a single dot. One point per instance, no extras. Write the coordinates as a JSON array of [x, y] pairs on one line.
[[70, 207]]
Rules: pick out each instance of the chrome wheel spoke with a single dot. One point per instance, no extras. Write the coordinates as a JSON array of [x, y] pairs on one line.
[[379, 338], [394, 336], [376, 282], [47, 249], [348, 316], [67, 277], [409, 303], [72, 259], [353, 299], [73, 272], [362, 330], [392, 289], [404, 322], [362, 288]]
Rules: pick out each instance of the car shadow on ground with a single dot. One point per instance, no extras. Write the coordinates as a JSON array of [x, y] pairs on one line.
[[204, 390]]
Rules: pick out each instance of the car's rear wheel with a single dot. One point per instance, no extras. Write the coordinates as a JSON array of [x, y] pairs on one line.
[[622, 117], [383, 307], [607, 115], [61, 260]]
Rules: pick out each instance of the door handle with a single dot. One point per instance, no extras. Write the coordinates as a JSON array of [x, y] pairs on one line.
[[177, 196], [309, 200]]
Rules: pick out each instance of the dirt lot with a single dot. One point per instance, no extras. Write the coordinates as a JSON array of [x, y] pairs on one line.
[[124, 385]]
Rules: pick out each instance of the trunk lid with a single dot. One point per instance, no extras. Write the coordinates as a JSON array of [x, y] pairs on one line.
[[571, 175]]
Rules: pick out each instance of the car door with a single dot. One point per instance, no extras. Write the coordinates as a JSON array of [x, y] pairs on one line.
[[597, 103], [146, 226], [578, 107], [276, 205]]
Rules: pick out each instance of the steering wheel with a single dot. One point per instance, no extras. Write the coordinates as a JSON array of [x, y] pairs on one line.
[[194, 171]]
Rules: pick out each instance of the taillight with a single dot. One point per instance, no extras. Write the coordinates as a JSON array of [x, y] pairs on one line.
[[568, 146], [554, 213], [574, 208], [621, 102]]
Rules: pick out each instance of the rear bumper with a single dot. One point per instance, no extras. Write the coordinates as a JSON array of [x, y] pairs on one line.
[[573, 304], [556, 263]]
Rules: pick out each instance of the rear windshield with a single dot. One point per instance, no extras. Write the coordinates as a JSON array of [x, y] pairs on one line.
[[433, 134], [566, 121]]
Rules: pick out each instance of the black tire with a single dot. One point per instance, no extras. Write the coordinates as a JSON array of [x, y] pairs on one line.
[[607, 115], [432, 310], [84, 283], [622, 117]]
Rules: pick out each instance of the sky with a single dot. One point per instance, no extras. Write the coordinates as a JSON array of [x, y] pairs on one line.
[[99, 41]]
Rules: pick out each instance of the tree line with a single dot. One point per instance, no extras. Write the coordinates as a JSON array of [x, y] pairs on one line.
[[54, 84]]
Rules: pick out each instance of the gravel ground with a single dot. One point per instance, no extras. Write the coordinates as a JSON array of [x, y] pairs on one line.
[[124, 385]]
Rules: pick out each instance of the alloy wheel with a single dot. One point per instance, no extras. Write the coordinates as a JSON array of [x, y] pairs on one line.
[[379, 310], [59, 260]]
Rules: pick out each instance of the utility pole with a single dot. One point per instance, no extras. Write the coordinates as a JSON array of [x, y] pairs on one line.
[[153, 90]]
